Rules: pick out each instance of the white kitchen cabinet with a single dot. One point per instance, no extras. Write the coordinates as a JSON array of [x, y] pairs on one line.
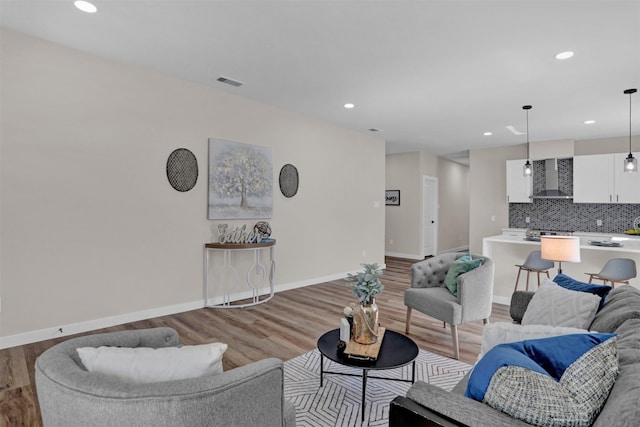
[[519, 187], [592, 179], [600, 178]]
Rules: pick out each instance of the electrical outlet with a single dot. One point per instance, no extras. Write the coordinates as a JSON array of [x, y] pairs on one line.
[[493, 218], [364, 254], [391, 241], [527, 220], [599, 222]]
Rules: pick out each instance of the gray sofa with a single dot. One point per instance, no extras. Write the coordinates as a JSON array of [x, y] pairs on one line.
[[71, 396], [427, 405]]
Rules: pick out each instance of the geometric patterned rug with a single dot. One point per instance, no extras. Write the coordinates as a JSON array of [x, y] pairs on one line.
[[337, 403]]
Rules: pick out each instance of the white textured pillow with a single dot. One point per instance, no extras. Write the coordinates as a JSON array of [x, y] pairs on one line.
[[557, 306], [502, 333], [147, 365]]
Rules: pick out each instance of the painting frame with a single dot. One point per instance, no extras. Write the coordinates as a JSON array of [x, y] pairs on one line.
[[392, 198], [240, 181]]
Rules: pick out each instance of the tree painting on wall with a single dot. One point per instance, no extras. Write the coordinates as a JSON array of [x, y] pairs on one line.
[[240, 180]]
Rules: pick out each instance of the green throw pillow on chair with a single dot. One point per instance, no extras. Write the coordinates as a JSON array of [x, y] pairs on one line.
[[458, 267]]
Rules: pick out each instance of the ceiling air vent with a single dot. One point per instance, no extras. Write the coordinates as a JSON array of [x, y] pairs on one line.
[[229, 81]]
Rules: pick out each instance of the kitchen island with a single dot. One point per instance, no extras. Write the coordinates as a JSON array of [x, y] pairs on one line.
[[510, 248]]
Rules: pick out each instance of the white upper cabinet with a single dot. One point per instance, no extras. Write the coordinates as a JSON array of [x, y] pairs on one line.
[[600, 178], [592, 179], [519, 187]]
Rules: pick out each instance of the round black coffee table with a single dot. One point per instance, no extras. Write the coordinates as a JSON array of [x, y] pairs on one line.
[[397, 350]]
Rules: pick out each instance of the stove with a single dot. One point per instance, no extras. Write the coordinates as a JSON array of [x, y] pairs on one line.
[[534, 235]]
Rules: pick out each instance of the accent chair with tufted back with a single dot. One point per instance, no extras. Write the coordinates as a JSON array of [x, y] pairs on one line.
[[429, 295]]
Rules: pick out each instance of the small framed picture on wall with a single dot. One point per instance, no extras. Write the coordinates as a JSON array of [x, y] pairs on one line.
[[392, 198]]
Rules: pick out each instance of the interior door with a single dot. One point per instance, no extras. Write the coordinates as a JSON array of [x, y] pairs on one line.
[[429, 216]]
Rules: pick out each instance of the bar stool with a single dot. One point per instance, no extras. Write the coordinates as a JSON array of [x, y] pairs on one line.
[[616, 270], [534, 263]]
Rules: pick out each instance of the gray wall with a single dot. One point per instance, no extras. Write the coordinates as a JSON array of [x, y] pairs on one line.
[[403, 224], [92, 232]]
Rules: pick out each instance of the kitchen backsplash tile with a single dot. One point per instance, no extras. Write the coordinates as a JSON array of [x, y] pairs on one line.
[[563, 214]]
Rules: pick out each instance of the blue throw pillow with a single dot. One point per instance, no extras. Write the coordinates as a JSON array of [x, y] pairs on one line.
[[563, 380], [547, 356], [574, 285], [460, 266]]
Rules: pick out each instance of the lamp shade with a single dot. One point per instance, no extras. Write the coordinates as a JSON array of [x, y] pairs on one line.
[[560, 248]]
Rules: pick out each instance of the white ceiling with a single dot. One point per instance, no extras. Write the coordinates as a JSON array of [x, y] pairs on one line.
[[432, 75]]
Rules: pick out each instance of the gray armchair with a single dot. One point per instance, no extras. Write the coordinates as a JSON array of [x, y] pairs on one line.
[[70, 396], [429, 295]]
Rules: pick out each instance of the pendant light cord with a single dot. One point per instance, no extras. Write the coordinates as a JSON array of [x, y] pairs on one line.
[[630, 93], [528, 154], [526, 108]]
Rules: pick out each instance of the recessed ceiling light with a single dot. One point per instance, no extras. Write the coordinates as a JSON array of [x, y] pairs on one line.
[[488, 133], [589, 122], [85, 6], [564, 55], [349, 105]]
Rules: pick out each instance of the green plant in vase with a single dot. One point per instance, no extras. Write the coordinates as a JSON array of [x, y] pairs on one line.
[[366, 285]]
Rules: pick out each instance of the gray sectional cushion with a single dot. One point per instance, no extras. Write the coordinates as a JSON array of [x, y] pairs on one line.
[[519, 302], [622, 408], [629, 342], [459, 408], [622, 303]]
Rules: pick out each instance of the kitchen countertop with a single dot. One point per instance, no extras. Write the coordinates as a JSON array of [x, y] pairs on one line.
[[629, 243], [510, 249]]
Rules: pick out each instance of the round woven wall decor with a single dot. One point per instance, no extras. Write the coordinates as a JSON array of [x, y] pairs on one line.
[[289, 180], [182, 169]]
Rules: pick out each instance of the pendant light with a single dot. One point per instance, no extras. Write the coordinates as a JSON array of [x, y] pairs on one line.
[[527, 169], [630, 163]]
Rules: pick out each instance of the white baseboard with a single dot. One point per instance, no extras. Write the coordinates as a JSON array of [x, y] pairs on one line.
[[106, 322], [418, 257], [91, 325], [401, 255], [458, 249]]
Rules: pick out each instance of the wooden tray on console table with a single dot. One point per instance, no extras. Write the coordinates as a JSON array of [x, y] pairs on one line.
[[365, 352]]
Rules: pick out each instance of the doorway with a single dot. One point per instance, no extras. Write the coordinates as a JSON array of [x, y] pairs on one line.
[[429, 216]]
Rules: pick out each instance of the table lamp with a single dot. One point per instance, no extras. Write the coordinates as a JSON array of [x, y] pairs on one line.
[[560, 248]]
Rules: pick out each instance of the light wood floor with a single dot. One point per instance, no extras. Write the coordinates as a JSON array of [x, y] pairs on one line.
[[284, 327]]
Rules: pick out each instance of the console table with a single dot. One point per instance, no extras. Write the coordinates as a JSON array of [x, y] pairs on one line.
[[246, 289]]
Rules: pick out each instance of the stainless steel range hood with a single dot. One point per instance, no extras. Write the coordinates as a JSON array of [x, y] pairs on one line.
[[551, 190]]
